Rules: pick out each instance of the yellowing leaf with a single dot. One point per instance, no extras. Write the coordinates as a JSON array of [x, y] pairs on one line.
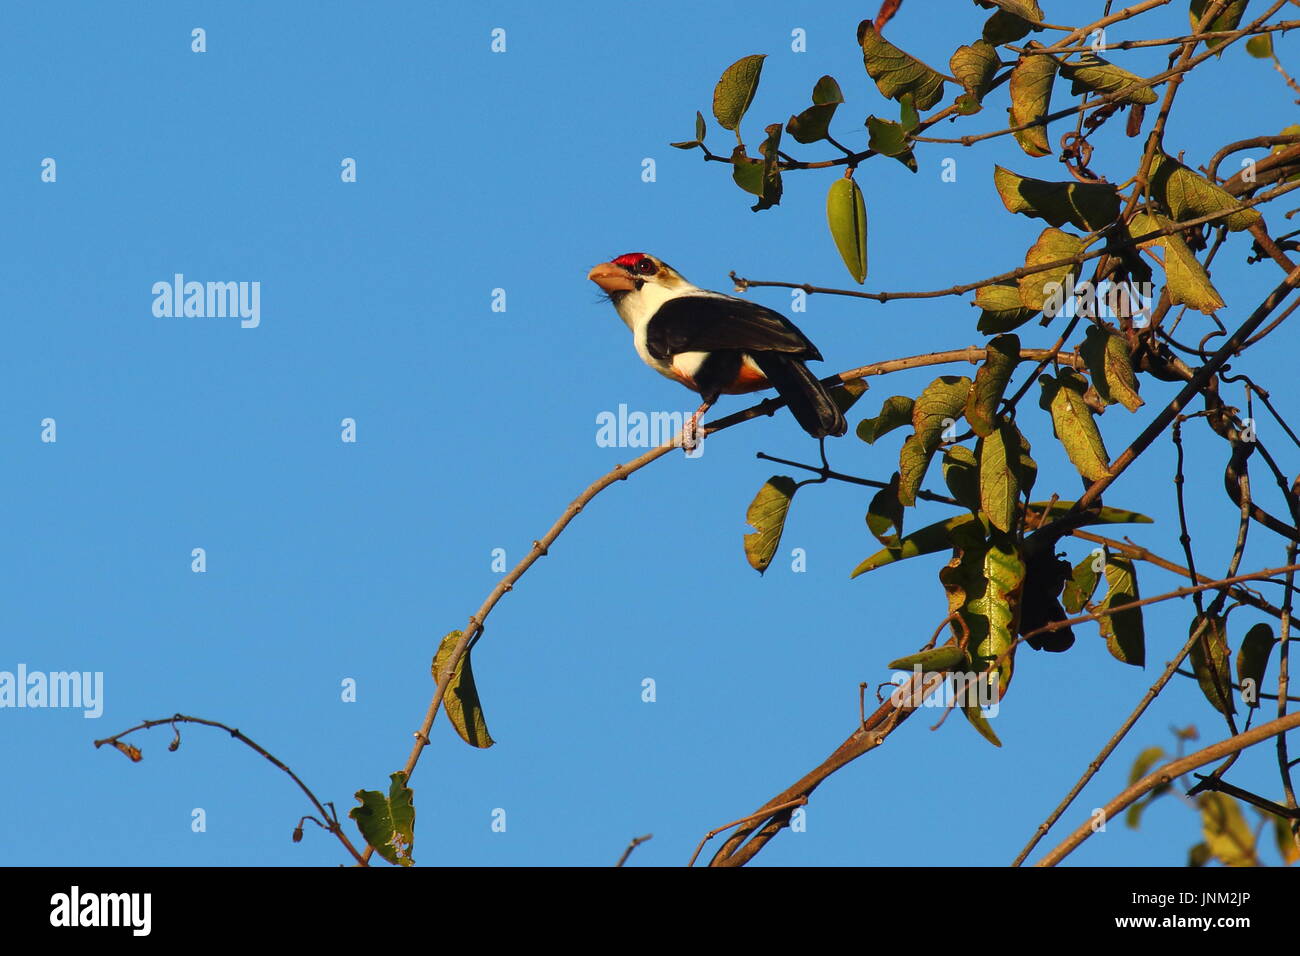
[[1031, 95], [1088, 206], [1188, 195], [1081, 586], [974, 66], [896, 411], [999, 487], [1093, 74], [1185, 278], [1123, 631], [1048, 290], [935, 412], [1227, 834], [767, 514], [1073, 423], [1111, 367], [1000, 361], [461, 701], [896, 72], [1003, 310]]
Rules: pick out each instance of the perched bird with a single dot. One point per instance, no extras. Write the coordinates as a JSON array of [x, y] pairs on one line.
[[716, 344]]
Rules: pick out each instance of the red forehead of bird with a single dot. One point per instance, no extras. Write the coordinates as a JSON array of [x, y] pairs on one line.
[[629, 259]]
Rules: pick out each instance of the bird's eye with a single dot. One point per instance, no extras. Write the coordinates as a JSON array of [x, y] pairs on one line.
[[647, 267]]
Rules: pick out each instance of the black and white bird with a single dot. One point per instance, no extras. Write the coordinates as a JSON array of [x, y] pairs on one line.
[[716, 344]]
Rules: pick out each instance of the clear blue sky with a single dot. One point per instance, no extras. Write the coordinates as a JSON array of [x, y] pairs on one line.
[[328, 561]]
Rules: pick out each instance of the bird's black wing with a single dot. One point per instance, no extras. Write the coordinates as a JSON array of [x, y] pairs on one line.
[[703, 323]]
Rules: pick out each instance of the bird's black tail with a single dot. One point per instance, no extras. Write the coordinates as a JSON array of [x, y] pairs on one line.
[[808, 398]]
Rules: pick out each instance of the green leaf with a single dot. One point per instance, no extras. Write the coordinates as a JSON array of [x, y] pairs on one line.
[[1091, 73], [890, 139], [1141, 767], [760, 177], [699, 134], [736, 89], [1226, 832], [846, 214], [1252, 661], [846, 395], [1106, 515], [1044, 290], [1025, 9], [1261, 46], [974, 66], [1111, 368], [961, 475], [936, 659], [983, 582], [999, 488], [1003, 310], [388, 823], [1081, 586], [896, 411], [1188, 195], [461, 699], [1124, 633], [813, 124], [885, 515], [1026, 467], [1185, 278], [1088, 206], [935, 409], [1228, 19], [1209, 659], [928, 540], [1146, 760], [991, 380], [895, 72], [767, 514], [1031, 94], [907, 114], [1005, 27], [1073, 423]]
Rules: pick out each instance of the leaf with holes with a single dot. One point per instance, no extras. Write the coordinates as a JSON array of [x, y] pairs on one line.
[[388, 822], [767, 514]]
